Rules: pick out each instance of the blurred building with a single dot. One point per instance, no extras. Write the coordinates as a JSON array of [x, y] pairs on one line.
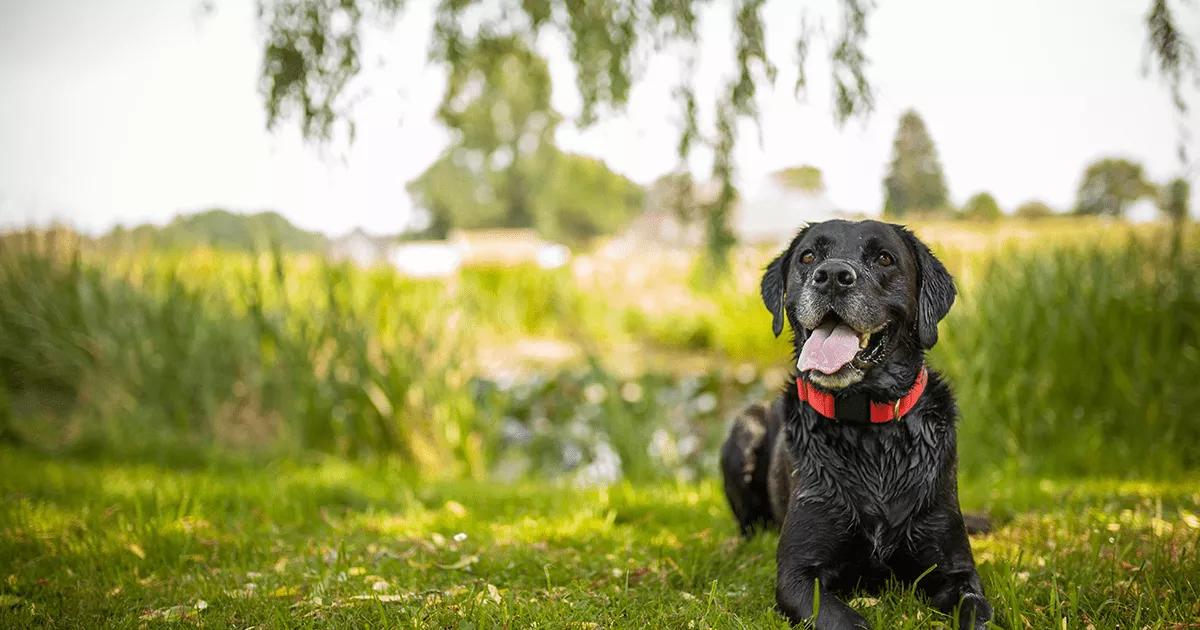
[[769, 212], [773, 210], [505, 247], [662, 227], [511, 246], [425, 259], [361, 248]]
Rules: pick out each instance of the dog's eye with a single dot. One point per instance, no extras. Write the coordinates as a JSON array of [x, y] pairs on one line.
[[885, 259], [807, 257]]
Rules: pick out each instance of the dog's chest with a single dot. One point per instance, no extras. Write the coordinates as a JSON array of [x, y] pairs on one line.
[[882, 475]]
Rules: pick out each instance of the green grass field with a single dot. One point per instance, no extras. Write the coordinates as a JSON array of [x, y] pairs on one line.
[[231, 440], [334, 544]]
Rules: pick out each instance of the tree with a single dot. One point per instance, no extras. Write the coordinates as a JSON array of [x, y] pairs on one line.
[[502, 169], [1175, 60], [220, 229], [583, 199], [1034, 209], [982, 206], [1173, 199], [497, 101], [914, 181], [806, 178], [312, 52], [1109, 186], [568, 197], [675, 192]]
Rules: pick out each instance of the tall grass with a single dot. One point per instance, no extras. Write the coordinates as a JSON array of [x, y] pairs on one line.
[[1067, 359], [175, 354], [1079, 360]]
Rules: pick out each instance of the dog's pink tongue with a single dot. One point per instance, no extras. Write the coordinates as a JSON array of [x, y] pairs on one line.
[[828, 349]]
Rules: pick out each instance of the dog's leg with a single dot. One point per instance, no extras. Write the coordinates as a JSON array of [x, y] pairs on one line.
[[744, 466], [953, 584], [809, 545]]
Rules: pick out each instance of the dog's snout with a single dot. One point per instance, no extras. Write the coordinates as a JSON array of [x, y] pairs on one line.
[[834, 275]]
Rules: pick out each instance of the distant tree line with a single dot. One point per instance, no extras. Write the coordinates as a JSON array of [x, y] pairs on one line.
[[220, 229], [916, 186]]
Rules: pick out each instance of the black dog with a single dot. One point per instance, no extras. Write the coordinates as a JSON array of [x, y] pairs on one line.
[[858, 458]]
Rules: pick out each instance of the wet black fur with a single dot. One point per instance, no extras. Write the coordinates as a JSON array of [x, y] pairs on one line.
[[857, 503]]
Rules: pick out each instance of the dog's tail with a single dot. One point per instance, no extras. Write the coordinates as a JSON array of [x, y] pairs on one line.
[[745, 460]]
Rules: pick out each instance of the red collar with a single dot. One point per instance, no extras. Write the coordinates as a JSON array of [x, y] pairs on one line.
[[857, 410]]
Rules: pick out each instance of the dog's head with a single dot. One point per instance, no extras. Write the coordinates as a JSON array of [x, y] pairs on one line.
[[863, 298]]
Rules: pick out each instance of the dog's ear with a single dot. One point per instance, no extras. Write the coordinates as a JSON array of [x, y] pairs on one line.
[[774, 283], [935, 290]]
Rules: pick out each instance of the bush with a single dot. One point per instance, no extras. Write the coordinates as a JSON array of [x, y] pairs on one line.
[[1078, 361], [981, 207], [169, 355], [1034, 210]]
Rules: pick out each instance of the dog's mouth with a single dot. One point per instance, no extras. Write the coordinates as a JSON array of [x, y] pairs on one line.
[[835, 346]]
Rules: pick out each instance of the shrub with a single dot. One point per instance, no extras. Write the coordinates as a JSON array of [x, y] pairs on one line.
[[981, 207], [1034, 210]]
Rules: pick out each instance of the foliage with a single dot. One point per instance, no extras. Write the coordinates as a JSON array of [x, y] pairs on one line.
[[181, 356], [1173, 198], [581, 199], [566, 197], [220, 229], [1067, 353], [981, 206], [325, 544], [176, 355], [676, 192], [497, 103], [1033, 209], [503, 169], [1110, 185], [914, 182], [1175, 58], [807, 178], [312, 51], [718, 237]]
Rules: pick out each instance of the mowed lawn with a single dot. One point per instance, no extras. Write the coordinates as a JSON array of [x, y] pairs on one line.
[[329, 544]]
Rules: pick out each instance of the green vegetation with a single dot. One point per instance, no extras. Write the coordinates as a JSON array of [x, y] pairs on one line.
[[503, 170], [914, 183], [981, 207], [1056, 350], [1090, 352], [583, 199], [312, 52], [806, 177], [1110, 186], [1033, 209], [1173, 199], [497, 104], [270, 439], [326, 544], [219, 229]]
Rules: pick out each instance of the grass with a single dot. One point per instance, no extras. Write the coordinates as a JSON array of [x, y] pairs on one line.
[[331, 544], [233, 440], [1074, 349]]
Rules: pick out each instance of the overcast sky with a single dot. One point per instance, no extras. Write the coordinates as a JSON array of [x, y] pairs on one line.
[[128, 111]]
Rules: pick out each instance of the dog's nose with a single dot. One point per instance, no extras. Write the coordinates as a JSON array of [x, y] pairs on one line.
[[834, 275]]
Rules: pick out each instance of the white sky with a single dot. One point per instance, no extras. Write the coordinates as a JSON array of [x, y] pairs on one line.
[[135, 110]]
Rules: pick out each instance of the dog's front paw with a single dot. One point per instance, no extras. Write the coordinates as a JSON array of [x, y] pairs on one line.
[[974, 612]]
